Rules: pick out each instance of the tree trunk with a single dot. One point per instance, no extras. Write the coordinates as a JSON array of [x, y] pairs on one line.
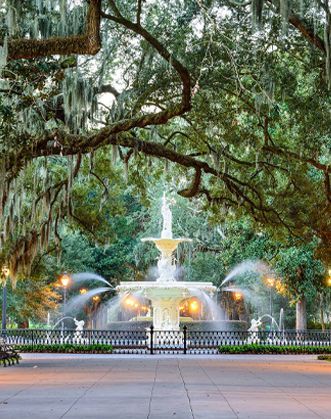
[[23, 324], [322, 314], [301, 315]]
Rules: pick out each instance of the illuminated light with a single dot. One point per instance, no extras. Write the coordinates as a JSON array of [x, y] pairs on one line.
[[194, 306], [96, 298], [83, 291], [237, 296], [328, 279], [181, 308], [280, 287], [65, 279], [270, 282], [136, 305], [129, 302]]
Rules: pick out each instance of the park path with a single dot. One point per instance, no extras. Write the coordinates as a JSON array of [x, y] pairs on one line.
[[162, 387]]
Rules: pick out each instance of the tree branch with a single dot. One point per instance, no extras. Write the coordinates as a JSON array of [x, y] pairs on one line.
[[304, 28], [87, 43]]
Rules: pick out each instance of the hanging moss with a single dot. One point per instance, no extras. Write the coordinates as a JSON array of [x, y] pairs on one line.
[[284, 8], [257, 9], [3, 54], [327, 43]]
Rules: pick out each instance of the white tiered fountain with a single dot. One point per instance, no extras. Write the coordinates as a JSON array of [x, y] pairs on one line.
[[166, 293]]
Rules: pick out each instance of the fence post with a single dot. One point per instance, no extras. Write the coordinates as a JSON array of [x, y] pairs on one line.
[[152, 339], [185, 336]]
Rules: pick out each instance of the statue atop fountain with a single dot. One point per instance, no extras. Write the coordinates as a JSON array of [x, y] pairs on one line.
[[167, 219]]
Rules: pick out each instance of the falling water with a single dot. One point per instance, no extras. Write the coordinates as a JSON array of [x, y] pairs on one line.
[[215, 311], [273, 321], [61, 320], [89, 276], [258, 267], [113, 308], [281, 319], [79, 300]]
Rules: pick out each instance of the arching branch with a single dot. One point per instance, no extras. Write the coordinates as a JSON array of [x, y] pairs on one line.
[[194, 188]]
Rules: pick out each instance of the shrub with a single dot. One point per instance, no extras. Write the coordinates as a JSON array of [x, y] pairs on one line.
[[66, 348], [324, 357], [273, 349]]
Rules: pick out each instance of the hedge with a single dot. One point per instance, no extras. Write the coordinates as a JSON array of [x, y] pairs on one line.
[[273, 349], [66, 348], [324, 357], [11, 360]]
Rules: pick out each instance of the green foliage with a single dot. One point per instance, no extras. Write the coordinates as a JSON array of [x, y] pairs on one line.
[[273, 349], [30, 301], [301, 272], [10, 360], [96, 348], [324, 357]]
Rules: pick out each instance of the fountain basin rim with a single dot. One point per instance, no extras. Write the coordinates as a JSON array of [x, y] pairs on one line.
[[164, 240], [165, 285]]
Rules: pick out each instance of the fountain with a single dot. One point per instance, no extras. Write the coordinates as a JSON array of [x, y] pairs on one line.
[[166, 294]]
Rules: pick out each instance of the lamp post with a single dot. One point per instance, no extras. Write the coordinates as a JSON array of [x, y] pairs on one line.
[[5, 273], [328, 284], [270, 282], [96, 299], [65, 280]]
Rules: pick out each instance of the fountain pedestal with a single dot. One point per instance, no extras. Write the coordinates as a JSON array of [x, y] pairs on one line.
[[166, 314]]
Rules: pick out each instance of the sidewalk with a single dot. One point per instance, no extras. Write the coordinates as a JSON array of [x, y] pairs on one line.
[[46, 386]]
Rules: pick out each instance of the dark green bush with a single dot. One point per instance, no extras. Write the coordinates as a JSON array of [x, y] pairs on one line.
[[96, 348], [11, 360], [273, 349], [324, 357]]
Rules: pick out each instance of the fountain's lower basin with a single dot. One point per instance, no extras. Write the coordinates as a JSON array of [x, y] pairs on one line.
[[166, 297]]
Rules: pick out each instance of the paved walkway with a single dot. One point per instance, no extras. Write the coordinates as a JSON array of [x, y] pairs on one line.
[[162, 387]]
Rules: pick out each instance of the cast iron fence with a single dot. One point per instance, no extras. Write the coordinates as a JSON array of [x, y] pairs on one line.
[[156, 341]]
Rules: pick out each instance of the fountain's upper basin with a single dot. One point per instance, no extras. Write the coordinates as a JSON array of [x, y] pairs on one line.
[[171, 289], [166, 245]]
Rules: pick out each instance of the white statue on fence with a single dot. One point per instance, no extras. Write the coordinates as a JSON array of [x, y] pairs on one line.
[[253, 330], [79, 329]]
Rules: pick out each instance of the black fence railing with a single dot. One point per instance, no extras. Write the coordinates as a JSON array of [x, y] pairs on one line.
[[156, 341]]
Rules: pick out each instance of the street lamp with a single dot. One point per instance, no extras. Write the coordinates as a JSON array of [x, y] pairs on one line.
[[270, 282], [5, 272], [328, 279], [65, 280]]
